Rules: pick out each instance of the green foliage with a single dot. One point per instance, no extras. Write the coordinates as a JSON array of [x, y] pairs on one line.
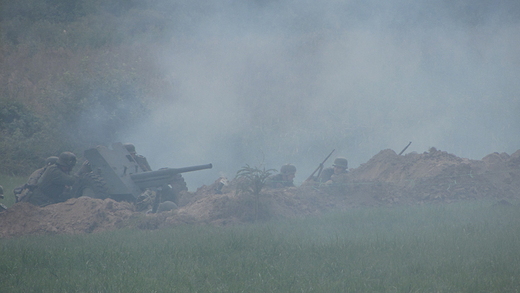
[[253, 179], [25, 142], [15, 117], [467, 247], [70, 76]]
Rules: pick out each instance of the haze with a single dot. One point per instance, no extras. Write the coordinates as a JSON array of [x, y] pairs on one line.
[[271, 82]]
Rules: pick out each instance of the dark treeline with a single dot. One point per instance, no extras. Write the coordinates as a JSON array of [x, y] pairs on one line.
[[72, 75]]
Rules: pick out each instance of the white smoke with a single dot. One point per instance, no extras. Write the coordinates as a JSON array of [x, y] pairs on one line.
[[286, 82]]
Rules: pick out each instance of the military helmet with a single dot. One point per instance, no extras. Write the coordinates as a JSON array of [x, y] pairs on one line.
[[51, 160], [340, 162], [129, 147], [288, 169], [66, 159]]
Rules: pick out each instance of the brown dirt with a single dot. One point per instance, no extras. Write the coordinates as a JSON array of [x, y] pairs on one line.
[[386, 179]]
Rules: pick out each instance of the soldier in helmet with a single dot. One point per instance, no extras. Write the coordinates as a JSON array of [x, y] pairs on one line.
[[140, 160], [338, 170], [28, 187], [55, 181], [169, 192], [284, 178]]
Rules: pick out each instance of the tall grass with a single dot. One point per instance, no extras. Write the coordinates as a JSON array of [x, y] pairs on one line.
[[464, 247]]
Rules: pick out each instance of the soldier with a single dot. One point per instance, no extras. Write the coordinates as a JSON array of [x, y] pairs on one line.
[[338, 169], [53, 185], [140, 160], [169, 192], [283, 179], [23, 190]]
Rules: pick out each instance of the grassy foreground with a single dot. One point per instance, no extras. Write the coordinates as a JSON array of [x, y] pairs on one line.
[[463, 247]]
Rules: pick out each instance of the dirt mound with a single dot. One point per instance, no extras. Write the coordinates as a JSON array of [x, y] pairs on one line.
[[386, 178], [438, 175], [77, 215]]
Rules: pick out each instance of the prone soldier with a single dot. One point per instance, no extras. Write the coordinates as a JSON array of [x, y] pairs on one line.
[[283, 179]]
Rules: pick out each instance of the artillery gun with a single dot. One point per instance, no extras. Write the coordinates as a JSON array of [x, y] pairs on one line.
[[115, 174]]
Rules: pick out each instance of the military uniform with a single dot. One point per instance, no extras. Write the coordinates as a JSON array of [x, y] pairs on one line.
[[277, 181], [30, 185], [22, 191], [51, 187], [283, 179], [328, 174]]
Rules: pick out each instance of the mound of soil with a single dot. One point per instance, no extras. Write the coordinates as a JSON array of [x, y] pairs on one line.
[[386, 179]]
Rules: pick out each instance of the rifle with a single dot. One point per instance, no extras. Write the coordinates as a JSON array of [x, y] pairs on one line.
[[405, 148], [320, 167]]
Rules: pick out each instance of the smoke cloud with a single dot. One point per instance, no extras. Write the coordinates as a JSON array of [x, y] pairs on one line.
[[266, 83]]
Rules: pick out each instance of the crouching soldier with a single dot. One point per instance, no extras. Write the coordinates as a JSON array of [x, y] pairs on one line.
[[22, 191], [336, 173], [55, 182]]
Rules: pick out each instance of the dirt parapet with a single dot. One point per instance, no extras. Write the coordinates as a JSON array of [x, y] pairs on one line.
[[386, 179]]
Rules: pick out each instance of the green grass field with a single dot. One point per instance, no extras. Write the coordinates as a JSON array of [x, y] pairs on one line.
[[463, 247]]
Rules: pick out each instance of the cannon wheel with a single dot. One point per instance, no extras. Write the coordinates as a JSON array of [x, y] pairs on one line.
[[177, 185], [91, 185]]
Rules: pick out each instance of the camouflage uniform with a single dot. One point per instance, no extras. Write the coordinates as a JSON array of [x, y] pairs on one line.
[[22, 191], [54, 182], [51, 188]]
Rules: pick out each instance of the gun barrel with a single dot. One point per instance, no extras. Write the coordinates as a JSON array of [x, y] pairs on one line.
[[168, 172]]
